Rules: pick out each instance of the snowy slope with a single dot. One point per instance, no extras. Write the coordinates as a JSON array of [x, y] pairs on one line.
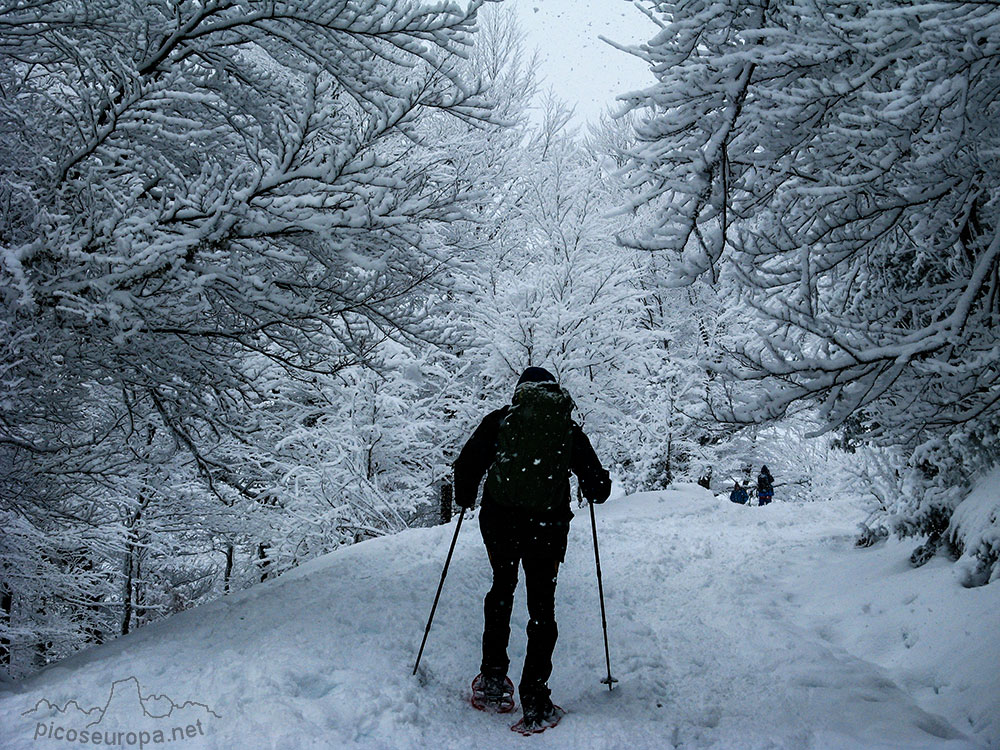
[[731, 627]]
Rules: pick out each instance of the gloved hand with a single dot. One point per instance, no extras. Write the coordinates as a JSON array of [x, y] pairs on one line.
[[600, 493]]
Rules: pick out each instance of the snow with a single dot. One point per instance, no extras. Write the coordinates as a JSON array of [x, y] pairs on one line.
[[730, 627], [976, 521], [933, 637]]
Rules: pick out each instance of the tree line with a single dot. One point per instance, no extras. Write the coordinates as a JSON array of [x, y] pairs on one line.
[[264, 264]]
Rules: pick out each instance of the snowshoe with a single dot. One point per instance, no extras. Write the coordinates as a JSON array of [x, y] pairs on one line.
[[539, 712], [535, 724], [493, 694]]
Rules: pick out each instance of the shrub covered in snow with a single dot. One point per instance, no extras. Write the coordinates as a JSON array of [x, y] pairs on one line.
[[975, 530]]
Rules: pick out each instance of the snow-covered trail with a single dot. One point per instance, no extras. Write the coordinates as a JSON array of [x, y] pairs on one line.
[[710, 640]]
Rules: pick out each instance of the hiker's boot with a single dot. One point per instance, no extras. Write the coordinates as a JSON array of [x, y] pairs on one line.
[[537, 705], [492, 691]]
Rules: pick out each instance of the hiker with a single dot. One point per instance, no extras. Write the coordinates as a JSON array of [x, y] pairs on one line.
[[527, 451], [705, 480], [739, 495], [765, 486]]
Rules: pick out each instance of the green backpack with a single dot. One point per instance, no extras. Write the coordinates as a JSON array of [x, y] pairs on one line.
[[534, 449]]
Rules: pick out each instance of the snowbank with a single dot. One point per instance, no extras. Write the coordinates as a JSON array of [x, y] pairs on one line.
[[975, 525], [933, 637], [731, 627]]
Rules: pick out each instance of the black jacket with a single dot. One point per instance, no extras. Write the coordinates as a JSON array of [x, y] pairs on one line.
[[543, 534], [765, 482]]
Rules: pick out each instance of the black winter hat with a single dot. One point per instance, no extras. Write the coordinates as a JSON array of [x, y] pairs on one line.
[[536, 375]]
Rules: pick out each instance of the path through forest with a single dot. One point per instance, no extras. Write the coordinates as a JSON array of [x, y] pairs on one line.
[[718, 638]]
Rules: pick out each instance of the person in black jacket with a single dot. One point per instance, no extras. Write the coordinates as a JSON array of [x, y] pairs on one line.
[[765, 486], [535, 540], [705, 480]]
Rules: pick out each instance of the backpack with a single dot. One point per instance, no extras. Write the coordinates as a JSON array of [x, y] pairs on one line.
[[534, 450]]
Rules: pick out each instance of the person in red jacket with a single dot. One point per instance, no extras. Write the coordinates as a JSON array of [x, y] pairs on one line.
[[526, 450]]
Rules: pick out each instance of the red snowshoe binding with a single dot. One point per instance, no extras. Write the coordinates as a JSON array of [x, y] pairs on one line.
[[493, 694]]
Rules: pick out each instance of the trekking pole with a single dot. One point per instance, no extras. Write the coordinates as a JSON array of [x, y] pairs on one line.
[[609, 680], [437, 596]]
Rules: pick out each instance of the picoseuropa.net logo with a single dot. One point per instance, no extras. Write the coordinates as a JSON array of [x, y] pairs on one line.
[[127, 719]]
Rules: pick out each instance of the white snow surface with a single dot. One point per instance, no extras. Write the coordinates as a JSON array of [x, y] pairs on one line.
[[730, 627], [976, 520]]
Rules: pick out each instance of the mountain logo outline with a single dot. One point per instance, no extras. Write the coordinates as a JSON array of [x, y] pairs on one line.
[[127, 681]]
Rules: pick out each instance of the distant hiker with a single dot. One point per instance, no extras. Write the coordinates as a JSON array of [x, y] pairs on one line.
[[765, 486], [527, 451], [705, 480], [739, 495]]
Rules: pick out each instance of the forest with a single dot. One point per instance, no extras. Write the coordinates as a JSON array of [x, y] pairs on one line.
[[265, 264]]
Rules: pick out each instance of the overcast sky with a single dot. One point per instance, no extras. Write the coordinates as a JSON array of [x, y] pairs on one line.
[[582, 69]]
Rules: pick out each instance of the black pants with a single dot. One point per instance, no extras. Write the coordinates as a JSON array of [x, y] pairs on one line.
[[540, 580]]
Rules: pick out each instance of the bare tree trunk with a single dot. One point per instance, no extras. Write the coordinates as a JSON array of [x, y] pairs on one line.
[[262, 561], [40, 652], [94, 608], [131, 555], [229, 566], [667, 473], [139, 595], [127, 592], [447, 497], [6, 606]]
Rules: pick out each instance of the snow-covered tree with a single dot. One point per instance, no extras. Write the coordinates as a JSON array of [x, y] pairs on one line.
[[834, 165], [191, 189], [554, 289]]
